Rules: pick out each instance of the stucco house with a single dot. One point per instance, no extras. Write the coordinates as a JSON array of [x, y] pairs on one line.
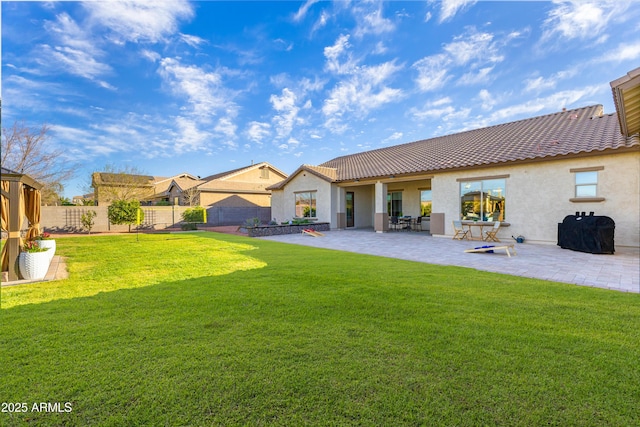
[[241, 187], [529, 174], [238, 188]]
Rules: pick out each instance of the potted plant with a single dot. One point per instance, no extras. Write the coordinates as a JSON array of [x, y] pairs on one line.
[[33, 261], [45, 241]]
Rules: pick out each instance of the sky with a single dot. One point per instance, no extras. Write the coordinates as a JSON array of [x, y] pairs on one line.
[[203, 87]]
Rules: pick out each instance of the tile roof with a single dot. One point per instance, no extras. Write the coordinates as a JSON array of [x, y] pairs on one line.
[[566, 133], [326, 173], [228, 174], [120, 178]]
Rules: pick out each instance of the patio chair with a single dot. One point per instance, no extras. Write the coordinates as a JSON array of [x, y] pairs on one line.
[[490, 236], [460, 233], [393, 223], [417, 224]]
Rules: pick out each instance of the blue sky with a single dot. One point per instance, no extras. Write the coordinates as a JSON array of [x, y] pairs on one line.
[[208, 86]]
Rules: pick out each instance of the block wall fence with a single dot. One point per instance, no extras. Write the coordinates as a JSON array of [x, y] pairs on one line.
[[68, 218]]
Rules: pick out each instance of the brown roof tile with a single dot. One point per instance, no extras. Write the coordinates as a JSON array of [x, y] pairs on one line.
[[327, 173], [571, 132]]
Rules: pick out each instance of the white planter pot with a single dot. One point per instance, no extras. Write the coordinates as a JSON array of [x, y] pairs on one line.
[[49, 244], [34, 265]]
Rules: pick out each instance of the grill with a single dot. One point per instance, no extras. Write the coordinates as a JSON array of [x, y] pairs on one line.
[[587, 233]]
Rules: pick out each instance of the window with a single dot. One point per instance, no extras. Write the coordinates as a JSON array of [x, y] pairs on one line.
[[586, 184], [306, 204], [425, 203], [394, 203], [483, 199]]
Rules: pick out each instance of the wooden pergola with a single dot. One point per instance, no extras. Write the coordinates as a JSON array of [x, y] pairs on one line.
[[20, 199]]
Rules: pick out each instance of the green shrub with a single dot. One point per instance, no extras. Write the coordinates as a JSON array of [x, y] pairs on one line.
[[125, 212], [87, 220], [252, 222], [196, 214]]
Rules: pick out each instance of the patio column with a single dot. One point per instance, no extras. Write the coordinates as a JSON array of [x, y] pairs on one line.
[[381, 219], [341, 211]]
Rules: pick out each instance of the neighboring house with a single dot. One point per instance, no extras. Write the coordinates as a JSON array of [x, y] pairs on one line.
[[177, 190], [529, 173], [108, 187], [83, 200], [238, 188], [242, 187]]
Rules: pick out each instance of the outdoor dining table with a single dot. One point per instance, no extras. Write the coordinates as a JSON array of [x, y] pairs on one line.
[[405, 222], [476, 224]]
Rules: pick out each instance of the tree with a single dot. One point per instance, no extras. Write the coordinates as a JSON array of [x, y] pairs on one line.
[[87, 220], [191, 196], [125, 212], [28, 150]]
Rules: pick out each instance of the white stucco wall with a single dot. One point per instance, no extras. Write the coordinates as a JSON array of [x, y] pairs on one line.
[[538, 196], [283, 203]]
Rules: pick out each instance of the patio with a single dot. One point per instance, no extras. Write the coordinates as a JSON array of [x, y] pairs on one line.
[[620, 271]]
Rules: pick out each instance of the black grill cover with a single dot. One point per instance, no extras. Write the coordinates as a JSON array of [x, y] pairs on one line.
[[593, 234]]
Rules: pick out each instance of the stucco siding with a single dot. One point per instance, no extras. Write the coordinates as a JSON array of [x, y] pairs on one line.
[[538, 195], [235, 200], [304, 182]]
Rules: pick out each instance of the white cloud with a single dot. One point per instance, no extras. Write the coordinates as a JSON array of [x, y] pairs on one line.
[[258, 131], [226, 127], [487, 100], [371, 22], [473, 47], [190, 135], [474, 78], [202, 89], [193, 41], [380, 48], [302, 12], [321, 22], [335, 52], [540, 84], [393, 137], [449, 8], [74, 61], [475, 52], [554, 102], [139, 21], [150, 55], [432, 72], [433, 109], [287, 112], [73, 52], [359, 94], [206, 97], [581, 19], [624, 52]]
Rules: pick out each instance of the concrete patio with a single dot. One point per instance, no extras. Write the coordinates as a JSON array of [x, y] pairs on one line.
[[620, 271]]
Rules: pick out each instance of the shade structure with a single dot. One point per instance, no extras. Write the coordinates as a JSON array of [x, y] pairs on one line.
[[20, 198]]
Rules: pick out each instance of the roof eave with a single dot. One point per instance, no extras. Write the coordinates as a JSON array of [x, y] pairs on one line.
[[626, 96]]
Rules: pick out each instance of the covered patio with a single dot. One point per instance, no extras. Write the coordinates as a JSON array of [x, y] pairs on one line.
[[20, 200]]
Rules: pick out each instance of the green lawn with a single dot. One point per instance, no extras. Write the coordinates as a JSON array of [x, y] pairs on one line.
[[207, 329]]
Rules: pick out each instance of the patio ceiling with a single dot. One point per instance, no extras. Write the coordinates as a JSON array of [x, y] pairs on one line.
[[626, 95]]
